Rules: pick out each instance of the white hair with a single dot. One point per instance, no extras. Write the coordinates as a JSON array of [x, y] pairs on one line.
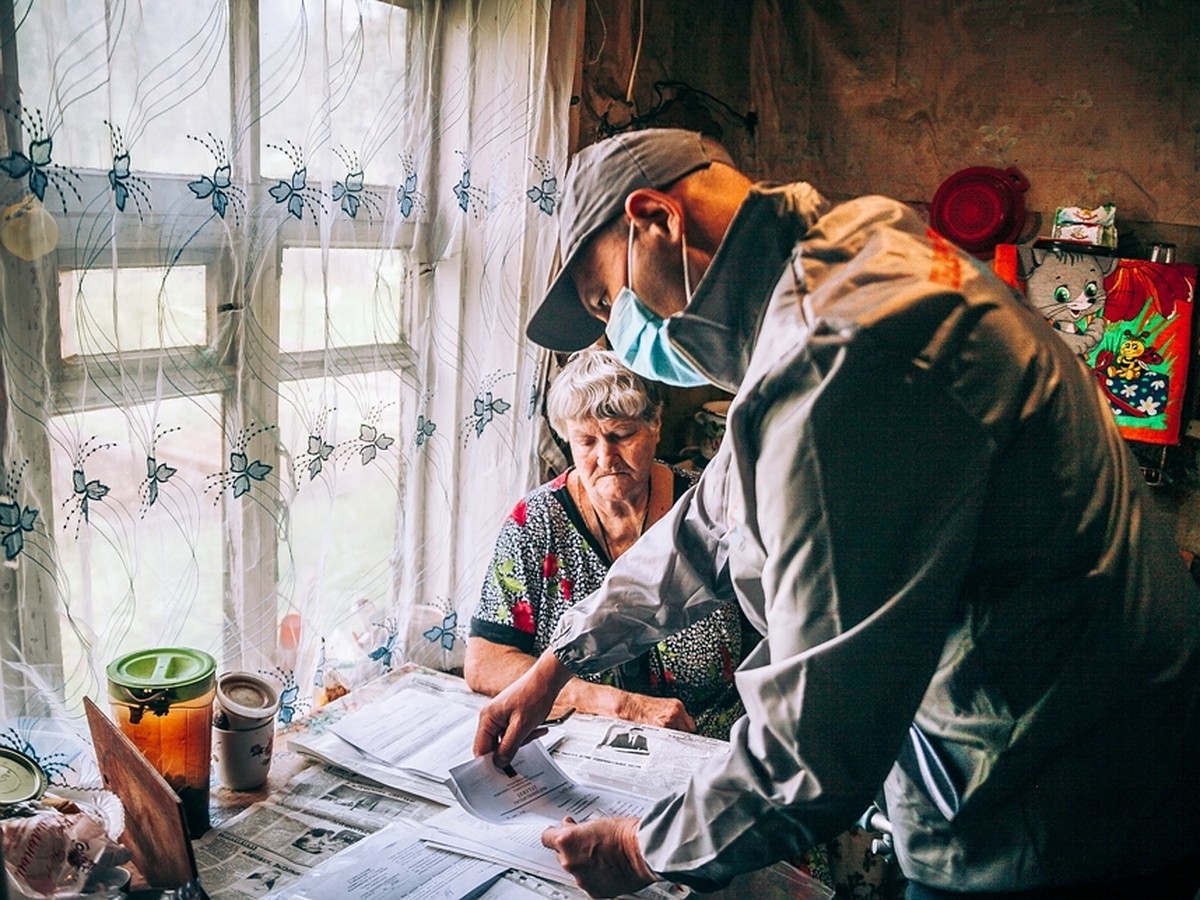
[[595, 384]]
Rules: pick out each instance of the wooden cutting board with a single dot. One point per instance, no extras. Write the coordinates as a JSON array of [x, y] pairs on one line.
[[155, 828]]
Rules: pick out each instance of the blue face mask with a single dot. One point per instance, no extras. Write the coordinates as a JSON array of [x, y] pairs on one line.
[[638, 335]]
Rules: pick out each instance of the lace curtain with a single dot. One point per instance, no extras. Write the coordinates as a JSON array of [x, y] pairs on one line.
[[266, 267]]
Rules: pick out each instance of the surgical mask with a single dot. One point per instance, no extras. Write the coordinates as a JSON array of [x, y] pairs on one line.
[[638, 334]]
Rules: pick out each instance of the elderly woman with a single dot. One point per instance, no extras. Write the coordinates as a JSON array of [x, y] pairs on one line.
[[560, 541]]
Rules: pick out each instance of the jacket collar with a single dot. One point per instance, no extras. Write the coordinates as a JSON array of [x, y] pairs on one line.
[[718, 329]]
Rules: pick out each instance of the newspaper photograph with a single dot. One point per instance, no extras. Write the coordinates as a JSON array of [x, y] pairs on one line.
[[639, 759], [336, 795]]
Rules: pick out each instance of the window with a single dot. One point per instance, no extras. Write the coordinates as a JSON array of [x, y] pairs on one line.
[[208, 292], [264, 272]]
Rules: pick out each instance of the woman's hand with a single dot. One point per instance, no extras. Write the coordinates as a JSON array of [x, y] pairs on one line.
[[602, 855], [665, 712]]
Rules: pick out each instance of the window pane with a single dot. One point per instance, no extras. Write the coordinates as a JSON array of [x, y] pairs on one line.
[[128, 309], [332, 73], [169, 78], [358, 298], [144, 568], [343, 515]]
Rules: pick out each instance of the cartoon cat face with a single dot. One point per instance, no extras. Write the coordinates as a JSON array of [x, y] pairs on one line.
[[1067, 290]]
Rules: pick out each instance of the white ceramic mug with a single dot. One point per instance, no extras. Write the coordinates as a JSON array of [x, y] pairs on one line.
[[244, 757]]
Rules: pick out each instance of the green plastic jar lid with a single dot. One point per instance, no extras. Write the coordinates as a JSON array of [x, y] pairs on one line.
[[175, 674], [21, 778]]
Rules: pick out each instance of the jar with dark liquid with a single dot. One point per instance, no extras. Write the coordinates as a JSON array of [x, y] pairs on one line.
[[162, 701]]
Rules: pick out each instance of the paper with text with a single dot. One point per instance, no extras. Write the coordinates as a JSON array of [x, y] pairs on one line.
[[420, 732], [534, 788]]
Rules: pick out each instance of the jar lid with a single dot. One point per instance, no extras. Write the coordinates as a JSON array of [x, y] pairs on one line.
[[21, 778], [178, 673]]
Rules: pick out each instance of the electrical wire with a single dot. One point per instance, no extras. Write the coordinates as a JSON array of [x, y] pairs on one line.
[[637, 55]]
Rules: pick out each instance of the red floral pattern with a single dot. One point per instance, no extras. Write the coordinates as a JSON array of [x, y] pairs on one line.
[[522, 614]]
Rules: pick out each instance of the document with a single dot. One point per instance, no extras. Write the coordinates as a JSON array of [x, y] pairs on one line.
[[393, 863], [534, 790], [414, 730]]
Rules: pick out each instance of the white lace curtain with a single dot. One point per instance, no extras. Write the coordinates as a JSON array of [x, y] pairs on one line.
[[266, 268]]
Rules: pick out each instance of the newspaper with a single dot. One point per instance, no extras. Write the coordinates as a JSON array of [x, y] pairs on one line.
[[638, 759], [393, 863], [275, 842]]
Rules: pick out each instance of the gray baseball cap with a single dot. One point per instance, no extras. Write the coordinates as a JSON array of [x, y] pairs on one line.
[[598, 180]]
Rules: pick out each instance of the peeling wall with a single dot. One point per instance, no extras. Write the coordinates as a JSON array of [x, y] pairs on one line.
[[1094, 100]]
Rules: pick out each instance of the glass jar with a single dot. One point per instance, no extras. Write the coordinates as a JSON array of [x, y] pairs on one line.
[[162, 701]]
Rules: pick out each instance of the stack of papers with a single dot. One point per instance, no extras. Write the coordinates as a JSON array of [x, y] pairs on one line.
[[408, 741], [414, 733], [503, 812]]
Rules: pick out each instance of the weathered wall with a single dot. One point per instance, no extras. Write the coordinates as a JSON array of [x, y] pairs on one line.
[[1093, 100]]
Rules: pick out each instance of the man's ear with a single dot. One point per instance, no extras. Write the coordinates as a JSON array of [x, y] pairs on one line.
[[651, 210]]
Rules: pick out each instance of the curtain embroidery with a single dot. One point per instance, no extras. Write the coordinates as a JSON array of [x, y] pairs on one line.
[[38, 166]]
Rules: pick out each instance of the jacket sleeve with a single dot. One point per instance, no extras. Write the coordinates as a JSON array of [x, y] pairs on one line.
[[672, 577], [862, 481]]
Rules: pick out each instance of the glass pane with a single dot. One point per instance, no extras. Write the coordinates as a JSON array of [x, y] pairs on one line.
[[357, 298], [346, 471], [332, 73], [139, 554], [168, 82], [128, 309]]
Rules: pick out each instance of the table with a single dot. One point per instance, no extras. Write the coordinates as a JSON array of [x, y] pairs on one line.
[[263, 840]]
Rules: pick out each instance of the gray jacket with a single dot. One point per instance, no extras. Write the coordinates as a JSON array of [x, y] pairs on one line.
[[923, 505]]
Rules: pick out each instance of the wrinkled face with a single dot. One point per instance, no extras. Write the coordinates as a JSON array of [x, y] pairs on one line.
[[613, 456], [602, 269]]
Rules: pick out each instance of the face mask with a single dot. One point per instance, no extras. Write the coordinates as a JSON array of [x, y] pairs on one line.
[[638, 334]]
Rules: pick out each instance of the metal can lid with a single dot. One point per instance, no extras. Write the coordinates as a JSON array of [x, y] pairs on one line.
[[180, 673], [21, 778]]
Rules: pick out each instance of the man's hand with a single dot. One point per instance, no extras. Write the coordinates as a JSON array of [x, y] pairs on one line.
[[602, 855], [665, 712], [514, 715]]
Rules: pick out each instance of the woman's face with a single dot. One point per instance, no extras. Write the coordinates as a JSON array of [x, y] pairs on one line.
[[613, 456]]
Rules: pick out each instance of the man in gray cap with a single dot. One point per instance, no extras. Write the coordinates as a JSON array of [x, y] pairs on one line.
[[964, 591]]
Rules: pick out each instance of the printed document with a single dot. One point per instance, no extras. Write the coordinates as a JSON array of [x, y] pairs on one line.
[[534, 789], [414, 730]]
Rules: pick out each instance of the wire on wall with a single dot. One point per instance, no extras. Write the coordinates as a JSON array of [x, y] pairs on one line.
[[637, 54], [670, 93]]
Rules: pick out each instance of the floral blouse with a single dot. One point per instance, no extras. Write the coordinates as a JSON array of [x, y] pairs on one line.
[[546, 558]]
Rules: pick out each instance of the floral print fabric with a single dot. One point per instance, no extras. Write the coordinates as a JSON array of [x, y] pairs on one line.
[[546, 558]]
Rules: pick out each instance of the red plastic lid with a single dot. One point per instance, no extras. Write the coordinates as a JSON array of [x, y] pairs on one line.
[[980, 207]]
